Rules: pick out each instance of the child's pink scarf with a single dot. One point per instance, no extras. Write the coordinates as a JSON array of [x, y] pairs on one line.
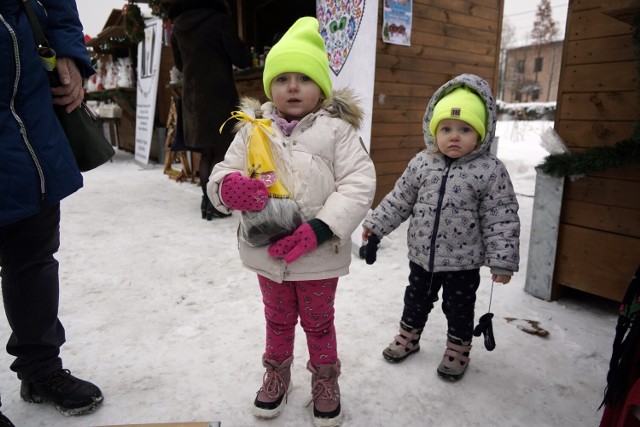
[[286, 126]]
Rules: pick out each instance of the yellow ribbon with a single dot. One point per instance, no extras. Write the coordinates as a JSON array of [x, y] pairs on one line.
[[260, 158]]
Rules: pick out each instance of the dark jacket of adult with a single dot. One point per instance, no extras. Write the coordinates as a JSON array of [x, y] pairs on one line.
[[205, 47], [37, 163]]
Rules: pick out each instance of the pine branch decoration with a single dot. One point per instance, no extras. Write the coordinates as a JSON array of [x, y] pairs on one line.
[[623, 153], [134, 23], [159, 9]]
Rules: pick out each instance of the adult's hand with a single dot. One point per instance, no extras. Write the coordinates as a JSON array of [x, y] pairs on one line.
[[70, 93]]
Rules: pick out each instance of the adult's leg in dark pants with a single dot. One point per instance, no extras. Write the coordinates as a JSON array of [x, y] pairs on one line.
[[206, 166], [30, 292], [208, 158], [458, 302]]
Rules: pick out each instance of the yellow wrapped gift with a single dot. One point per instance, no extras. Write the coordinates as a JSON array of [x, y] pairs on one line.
[[260, 163]]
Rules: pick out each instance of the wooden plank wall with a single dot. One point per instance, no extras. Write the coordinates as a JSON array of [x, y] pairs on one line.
[[448, 38], [598, 102]]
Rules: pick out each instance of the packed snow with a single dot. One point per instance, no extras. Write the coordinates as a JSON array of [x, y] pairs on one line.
[[160, 313]]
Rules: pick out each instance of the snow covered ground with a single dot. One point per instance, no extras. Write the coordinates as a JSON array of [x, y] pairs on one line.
[[162, 316]]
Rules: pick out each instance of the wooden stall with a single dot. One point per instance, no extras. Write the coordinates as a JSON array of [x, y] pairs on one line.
[[111, 44], [598, 103]]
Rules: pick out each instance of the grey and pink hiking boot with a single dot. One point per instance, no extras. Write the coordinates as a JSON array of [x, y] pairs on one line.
[[325, 394], [455, 360], [276, 384], [403, 345]]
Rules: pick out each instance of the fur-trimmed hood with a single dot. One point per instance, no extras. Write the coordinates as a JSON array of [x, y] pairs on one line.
[[342, 104]]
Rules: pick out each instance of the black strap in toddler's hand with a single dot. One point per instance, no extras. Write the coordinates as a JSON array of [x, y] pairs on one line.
[[485, 327]]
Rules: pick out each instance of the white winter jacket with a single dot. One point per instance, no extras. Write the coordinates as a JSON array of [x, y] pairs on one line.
[[332, 176]]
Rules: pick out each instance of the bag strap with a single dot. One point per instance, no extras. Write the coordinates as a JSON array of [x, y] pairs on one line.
[[46, 54], [38, 34]]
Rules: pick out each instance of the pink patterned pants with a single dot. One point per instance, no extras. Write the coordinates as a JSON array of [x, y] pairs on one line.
[[312, 301]]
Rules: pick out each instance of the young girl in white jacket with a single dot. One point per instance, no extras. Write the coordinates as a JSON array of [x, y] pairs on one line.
[[301, 177]]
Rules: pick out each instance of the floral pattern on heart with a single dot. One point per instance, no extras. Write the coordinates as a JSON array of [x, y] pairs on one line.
[[339, 25]]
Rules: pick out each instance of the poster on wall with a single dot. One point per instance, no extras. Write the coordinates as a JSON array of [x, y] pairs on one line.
[[148, 75], [396, 22], [350, 31]]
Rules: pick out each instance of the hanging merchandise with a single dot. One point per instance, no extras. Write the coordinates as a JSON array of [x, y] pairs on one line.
[[110, 76], [125, 73]]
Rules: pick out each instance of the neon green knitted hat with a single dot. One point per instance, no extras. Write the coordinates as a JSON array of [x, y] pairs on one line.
[[461, 104], [300, 50]]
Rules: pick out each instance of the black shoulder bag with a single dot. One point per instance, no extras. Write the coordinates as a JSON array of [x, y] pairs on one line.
[[88, 143]]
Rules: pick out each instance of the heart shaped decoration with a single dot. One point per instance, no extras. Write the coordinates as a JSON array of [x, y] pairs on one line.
[[339, 24]]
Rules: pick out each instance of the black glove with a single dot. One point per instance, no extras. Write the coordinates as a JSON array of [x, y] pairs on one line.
[[485, 327], [368, 251]]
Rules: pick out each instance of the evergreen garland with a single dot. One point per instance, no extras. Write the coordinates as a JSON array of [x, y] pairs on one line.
[[159, 9], [133, 23], [623, 153]]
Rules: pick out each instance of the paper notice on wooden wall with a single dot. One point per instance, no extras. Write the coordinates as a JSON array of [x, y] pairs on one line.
[[396, 21]]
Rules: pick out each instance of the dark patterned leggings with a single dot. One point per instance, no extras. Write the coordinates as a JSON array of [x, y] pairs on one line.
[[312, 301], [458, 299]]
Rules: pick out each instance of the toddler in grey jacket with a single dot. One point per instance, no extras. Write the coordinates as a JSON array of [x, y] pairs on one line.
[[463, 214]]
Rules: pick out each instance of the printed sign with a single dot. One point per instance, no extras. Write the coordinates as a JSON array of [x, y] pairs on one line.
[[148, 69]]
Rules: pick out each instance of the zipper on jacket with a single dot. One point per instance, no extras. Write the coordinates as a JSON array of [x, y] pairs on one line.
[[23, 129], [436, 221]]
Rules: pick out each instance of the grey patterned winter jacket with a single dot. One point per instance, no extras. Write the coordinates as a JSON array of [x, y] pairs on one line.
[[463, 213]]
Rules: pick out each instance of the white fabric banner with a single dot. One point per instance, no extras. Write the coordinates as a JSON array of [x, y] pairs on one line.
[[350, 30], [149, 50]]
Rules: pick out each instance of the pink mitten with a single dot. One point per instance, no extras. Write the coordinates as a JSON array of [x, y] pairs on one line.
[[302, 241], [243, 193]]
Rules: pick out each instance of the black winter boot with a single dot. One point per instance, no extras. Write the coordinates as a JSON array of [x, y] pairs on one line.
[[70, 395], [4, 421], [203, 206], [215, 213], [209, 212]]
